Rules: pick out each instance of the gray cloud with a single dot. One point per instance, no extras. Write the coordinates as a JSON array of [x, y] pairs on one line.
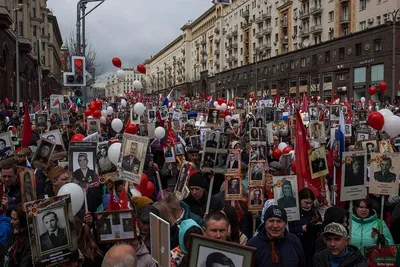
[[129, 29]]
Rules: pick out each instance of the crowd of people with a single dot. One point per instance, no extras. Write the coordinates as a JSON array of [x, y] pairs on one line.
[[326, 233]]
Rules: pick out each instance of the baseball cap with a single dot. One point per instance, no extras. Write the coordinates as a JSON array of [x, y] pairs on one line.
[[335, 229]]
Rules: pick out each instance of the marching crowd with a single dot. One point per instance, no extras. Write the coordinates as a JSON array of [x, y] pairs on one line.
[[325, 235]]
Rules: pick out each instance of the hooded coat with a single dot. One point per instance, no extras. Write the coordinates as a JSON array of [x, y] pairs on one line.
[[288, 249], [354, 259]]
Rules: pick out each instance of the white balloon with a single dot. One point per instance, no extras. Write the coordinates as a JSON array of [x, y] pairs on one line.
[[139, 108], [282, 145], [215, 104], [113, 153], [392, 125], [362, 99], [103, 120], [159, 132], [90, 117], [228, 118], [337, 102], [224, 106], [104, 113], [218, 107], [117, 125], [137, 84], [76, 193], [110, 110], [123, 103], [121, 75], [385, 112]]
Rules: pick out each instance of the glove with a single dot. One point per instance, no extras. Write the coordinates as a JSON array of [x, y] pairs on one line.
[[381, 240]]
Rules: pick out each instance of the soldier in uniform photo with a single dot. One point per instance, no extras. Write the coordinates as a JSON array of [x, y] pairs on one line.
[[233, 186], [256, 200], [129, 160], [84, 174], [385, 175]]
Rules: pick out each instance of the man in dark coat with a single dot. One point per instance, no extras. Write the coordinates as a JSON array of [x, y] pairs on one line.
[[275, 245], [84, 174], [55, 236], [385, 175]]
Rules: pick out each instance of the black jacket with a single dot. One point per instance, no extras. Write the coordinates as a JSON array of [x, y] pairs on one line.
[[23, 255], [354, 259], [199, 206]]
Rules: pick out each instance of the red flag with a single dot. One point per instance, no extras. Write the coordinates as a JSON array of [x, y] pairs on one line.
[[113, 203], [170, 135], [301, 151], [123, 200], [56, 102], [6, 101], [304, 104], [27, 134]]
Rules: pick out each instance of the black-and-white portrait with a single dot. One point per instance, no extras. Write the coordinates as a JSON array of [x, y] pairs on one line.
[[65, 118], [384, 173], [116, 220], [143, 129], [221, 160], [55, 137], [254, 134], [169, 154], [176, 125], [43, 154], [105, 228], [317, 162], [234, 186], [28, 185], [6, 147], [335, 112], [215, 258], [269, 114], [213, 116], [278, 115], [223, 141], [195, 141], [93, 126], [181, 181], [211, 138], [53, 230], [354, 170], [362, 116], [233, 161], [32, 117], [256, 197], [83, 167], [317, 129], [135, 118], [250, 123], [256, 170], [347, 130], [239, 103], [127, 225], [164, 112], [103, 161], [209, 160], [151, 114], [41, 121], [313, 113], [362, 136], [179, 150]]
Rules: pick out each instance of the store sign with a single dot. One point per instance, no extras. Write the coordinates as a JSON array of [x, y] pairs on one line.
[[367, 61]]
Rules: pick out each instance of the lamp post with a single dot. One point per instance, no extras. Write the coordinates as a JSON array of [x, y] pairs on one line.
[[394, 14], [17, 56]]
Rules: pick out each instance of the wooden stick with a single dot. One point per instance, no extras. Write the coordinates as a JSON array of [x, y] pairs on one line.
[[209, 195], [86, 204], [382, 222], [159, 184]]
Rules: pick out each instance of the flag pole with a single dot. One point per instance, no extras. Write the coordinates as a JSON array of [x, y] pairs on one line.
[[334, 183]]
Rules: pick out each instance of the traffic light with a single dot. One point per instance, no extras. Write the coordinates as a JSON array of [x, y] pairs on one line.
[[78, 97], [77, 75]]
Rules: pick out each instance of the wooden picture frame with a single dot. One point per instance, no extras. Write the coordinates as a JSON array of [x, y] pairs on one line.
[[233, 188], [256, 173], [116, 226], [27, 182], [169, 154]]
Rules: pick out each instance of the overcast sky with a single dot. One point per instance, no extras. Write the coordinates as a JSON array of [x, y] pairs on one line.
[[129, 29]]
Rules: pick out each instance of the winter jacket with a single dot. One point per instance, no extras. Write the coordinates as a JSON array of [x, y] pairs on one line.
[[20, 254], [143, 256], [362, 230], [354, 259], [288, 248], [5, 232], [332, 214], [394, 222], [199, 206], [178, 252]]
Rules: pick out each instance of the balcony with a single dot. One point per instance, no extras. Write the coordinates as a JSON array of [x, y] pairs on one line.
[[259, 34], [304, 14], [304, 33], [229, 35], [284, 23], [216, 52], [246, 24], [259, 20], [203, 42], [203, 61], [216, 30], [216, 64], [203, 52], [267, 31], [229, 47], [234, 32], [284, 40], [266, 15], [316, 29], [246, 14], [229, 59], [216, 40], [235, 46], [344, 19], [282, 3], [263, 47], [316, 10], [246, 40], [234, 58]]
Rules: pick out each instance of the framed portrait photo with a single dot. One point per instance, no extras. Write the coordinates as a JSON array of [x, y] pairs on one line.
[[179, 149], [43, 154], [354, 176], [115, 226], [317, 162], [176, 126], [256, 198], [65, 118], [32, 117], [233, 188], [82, 158], [256, 173], [200, 120], [317, 129], [195, 141], [135, 118], [59, 151], [93, 126], [151, 114], [211, 140], [362, 116], [371, 146], [385, 147], [160, 240], [169, 154], [384, 173], [27, 185], [7, 152], [41, 121], [182, 178], [206, 251], [103, 162], [269, 114], [335, 112], [239, 103], [234, 161], [286, 195], [362, 136], [313, 113], [51, 230], [213, 116]]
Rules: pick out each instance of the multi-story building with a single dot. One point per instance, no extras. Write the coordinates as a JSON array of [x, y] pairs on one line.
[[278, 46], [116, 87], [99, 90], [36, 24]]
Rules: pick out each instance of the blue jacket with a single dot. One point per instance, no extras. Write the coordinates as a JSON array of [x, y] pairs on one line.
[[288, 249]]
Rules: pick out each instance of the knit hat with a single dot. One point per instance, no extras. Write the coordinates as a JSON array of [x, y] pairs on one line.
[[144, 213], [140, 202], [275, 211], [197, 179], [55, 172]]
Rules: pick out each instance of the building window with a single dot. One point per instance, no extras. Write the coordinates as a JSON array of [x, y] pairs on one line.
[[276, 21], [331, 16], [378, 45], [363, 5], [377, 73], [363, 25], [327, 56], [43, 31], [292, 64], [331, 35], [303, 61], [341, 77], [360, 75], [327, 81], [21, 28], [378, 20], [34, 30], [276, 38], [358, 49], [341, 53], [34, 12]]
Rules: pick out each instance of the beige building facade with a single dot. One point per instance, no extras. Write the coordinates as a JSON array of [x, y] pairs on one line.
[[228, 37], [116, 87]]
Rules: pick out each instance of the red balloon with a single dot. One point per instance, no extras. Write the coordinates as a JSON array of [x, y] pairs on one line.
[[131, 128], [88, 113], [117, 62], [97, 113], [372, 90], [227, 112], [382, 86], [277, 153], [220, 101], [287, 149], [222, 115], [99, 103], [141, 68], [150, 189], [376, 120], [77, 138], [293, 166], [143, 184]]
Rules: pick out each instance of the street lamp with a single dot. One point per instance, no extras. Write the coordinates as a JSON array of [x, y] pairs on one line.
[[394, 14], [17, 56]]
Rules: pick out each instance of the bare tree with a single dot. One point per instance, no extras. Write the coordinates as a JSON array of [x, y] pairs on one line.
[[91, 55]]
